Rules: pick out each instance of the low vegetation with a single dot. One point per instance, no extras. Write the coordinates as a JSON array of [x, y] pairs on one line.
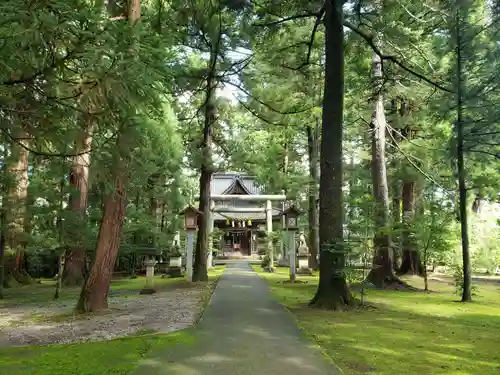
[[116, 357], [417, 333]]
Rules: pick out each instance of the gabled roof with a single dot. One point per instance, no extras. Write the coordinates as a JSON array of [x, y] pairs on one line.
[[224, 183]]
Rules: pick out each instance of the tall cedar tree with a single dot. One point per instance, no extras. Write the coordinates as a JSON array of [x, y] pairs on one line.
[[332, 289], [94, 295]]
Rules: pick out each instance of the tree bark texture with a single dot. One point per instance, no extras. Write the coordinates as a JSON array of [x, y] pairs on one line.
[[202, 240], [94, 295], [396, 221], [17, 192], [411, 261], [382, 270], [460, 22], [332, 292], [75, 262], [395, 185], [312, 150]]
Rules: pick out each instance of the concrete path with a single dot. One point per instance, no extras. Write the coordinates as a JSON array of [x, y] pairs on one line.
[[244, 331]]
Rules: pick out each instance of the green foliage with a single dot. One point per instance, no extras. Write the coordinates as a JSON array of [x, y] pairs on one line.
[[458, 277]]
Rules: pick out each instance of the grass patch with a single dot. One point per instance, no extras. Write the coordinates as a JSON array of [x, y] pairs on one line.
[[405, 332], [115, 357]]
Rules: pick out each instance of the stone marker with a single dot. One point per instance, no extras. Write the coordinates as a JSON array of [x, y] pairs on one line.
[[150, 272]]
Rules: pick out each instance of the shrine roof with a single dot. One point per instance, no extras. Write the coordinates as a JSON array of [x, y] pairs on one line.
[[224, 183]]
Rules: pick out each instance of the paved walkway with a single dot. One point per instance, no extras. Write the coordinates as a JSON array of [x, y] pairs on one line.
[[244, 331]]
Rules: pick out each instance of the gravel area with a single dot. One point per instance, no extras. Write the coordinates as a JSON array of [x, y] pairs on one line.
[[41, 325]]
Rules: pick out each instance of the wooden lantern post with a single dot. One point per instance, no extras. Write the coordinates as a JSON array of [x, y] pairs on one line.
[[191, 215]]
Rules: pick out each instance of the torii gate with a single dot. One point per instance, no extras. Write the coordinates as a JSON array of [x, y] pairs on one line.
[[268, 209]]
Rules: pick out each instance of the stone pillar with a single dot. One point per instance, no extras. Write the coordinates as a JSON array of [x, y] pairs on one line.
[[210, 230], [292, 254], [269, 230], [150, 273], [284, 236], [189, 255]]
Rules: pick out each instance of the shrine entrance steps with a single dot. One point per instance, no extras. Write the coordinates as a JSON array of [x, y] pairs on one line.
[[243, 331]]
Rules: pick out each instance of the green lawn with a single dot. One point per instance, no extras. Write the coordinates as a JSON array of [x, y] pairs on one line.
[[402, 333], [115, 357]]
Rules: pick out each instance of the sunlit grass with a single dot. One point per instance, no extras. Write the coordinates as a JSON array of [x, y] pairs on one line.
[[115, 357], [402, 333]]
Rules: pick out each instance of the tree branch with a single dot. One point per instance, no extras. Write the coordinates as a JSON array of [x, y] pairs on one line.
[[286, 19], [264, 103], [369, 39]]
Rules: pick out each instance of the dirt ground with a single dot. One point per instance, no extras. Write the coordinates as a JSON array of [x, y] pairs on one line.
[[164, 311]]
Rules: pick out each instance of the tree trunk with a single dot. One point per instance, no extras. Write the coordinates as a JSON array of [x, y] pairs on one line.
[[202, 240], [312, 150], [332, 289], [395, 186], [476, 204], [382, 270], [411, 262], [75, 262], [200, 256], [17, 193], [3, 225], [396, 221], [94, 295], [460, 22]]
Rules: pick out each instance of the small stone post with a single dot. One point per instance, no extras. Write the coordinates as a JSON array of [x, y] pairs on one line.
[[189, 255], [210, 238], [292, 254], [150, 273], [269, 230]]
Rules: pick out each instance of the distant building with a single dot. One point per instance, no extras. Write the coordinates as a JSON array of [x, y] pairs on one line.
[[241, 229]]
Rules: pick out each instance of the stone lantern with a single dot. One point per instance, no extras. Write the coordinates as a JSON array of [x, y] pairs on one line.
[[302, 255], [291, 215]]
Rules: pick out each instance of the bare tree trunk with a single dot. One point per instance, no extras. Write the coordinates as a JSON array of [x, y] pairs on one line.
[[202, 240], [396, 220], [382, 270], [75, 262], [3, 224], [94, 295], [411, 263], [332, 289], [395, 186], [476, 204], [460, 21], [17, 193], [312, 150]]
